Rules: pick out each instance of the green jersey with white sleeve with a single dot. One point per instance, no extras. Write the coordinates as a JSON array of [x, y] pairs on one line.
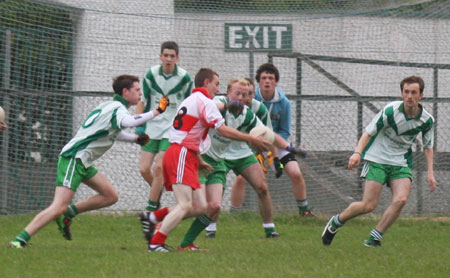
[[261, 112], [155, 85], [393, 133], [222, 147], [98, 132]]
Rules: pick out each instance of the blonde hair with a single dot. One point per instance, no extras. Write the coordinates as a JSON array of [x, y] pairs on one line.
[[241, 81]]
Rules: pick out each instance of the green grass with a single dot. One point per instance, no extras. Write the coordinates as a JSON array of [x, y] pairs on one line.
[[112, 246]]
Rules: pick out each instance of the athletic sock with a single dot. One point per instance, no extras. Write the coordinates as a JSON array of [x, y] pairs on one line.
[[23, 237], [212, 227], [158, 238], [159, 215], [375, 235], [196, 228], [71, 211], [151, 206], [269, 228], [336, 223], [302, 205]]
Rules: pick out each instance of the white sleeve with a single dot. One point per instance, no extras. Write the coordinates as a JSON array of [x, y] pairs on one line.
[[126, 136], [136, 120]]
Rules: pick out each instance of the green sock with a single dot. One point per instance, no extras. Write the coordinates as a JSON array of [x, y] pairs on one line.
[[152, 206], [24, 237], [302, 205], [336, 223], [269, 228], [375, 235], [199, 224], [71, 211]]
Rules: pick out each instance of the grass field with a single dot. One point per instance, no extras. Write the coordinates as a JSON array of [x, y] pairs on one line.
[[112, 246]]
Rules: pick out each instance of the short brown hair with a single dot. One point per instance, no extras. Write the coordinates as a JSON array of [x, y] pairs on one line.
[[202, 74], [269, 68], [169, 45], [413, 79], [123, 81]]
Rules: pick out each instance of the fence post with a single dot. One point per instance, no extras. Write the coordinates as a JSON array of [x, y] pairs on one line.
[[298, 103]]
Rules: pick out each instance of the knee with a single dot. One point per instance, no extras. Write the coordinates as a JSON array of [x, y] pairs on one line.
[[262, 190], [400, 202], [112, 197], [214, 207], [144, 170], [186, 207], [158, 169], [368, 207]]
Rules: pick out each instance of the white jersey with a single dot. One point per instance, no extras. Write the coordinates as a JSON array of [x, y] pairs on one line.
[[196, 114], [393, 133], [224, 148], [261, 112], [155, 85], [97, 133]]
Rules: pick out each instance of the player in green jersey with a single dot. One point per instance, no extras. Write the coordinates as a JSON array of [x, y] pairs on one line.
[[386, 148], [96, 135]]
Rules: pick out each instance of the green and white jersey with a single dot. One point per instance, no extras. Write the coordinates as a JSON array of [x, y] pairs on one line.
[[155, 85], [261, 112], [97, 133], [393, 133], [222, 147]]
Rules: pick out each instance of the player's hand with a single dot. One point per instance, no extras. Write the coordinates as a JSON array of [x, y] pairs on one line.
[[259, 144], [142, 139], [298, 151], [432, 182], [163, 103], [354, 160], [260, 158], [235, 107], [204, 168], [278, 167], [3, 126]]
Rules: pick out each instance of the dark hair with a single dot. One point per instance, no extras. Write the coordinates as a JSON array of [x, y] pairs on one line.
[[202, 74], [123, 81], [413, 79], [169, 45], [269, 68]]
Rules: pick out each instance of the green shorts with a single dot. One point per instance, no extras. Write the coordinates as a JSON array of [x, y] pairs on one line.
[[156, 146], [217, 176], [384, 173], [239, 165], [71, 172]]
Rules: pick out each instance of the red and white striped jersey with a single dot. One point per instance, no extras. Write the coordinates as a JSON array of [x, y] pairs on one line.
[[196, 114]]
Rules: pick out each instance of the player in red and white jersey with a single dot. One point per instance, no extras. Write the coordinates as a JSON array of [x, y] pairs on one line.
[[196, 114]]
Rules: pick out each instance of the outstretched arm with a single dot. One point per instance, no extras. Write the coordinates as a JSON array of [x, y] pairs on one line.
[[258, 143]]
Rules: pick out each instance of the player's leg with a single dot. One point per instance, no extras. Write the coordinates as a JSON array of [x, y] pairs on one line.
[[372, 191], [106, 196], [158, 180], [255, 176], [237, 193], [145, 168], [183, 197], [214, 202], [293, 171], [61, 200], [400, 192]]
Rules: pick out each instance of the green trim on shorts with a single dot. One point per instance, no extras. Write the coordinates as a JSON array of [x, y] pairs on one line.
[[217, 176], [239, 165], [71, 172], [384, 173], [156, 146]]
